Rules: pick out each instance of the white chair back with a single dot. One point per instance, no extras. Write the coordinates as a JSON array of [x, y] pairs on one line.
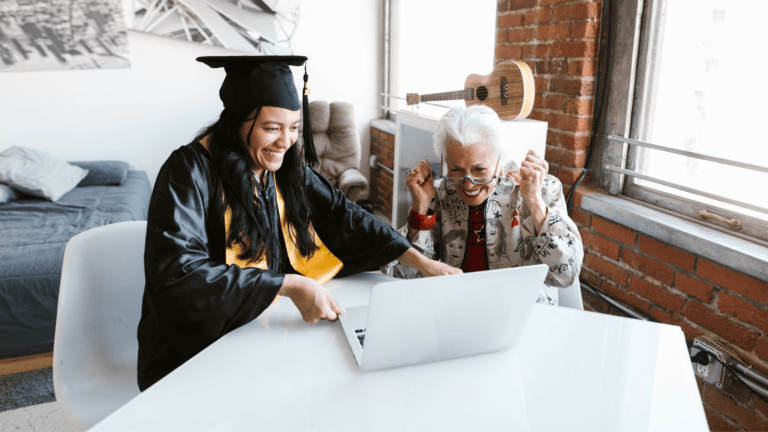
[[95, 348], [571, 297]]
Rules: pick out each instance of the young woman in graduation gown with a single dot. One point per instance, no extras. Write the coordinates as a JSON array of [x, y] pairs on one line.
[[236, 219]]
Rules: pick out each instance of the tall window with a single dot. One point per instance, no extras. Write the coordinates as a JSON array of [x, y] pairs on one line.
[[699, 89], [436, 44]]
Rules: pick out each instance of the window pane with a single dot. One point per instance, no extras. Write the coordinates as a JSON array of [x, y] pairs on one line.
[[709, 98], [440, 43]]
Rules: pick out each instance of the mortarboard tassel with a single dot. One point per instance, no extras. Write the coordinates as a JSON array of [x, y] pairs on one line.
[[310, 155]]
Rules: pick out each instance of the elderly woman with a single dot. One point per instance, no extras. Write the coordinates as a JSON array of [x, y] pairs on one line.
[[237, 218], [486, 213]]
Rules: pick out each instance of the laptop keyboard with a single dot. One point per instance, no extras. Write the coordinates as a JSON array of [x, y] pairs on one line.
[[360, 333]]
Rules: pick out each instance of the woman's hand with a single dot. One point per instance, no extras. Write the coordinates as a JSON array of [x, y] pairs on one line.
[[312, 299], [420, 183], [532, 173], [427, 267]]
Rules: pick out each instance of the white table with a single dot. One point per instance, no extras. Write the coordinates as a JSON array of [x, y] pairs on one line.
[[573, 371]]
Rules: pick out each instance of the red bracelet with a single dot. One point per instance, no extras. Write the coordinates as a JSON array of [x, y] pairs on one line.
[[421, 222]]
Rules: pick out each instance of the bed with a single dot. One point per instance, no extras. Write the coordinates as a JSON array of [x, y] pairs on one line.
[[33, 235]]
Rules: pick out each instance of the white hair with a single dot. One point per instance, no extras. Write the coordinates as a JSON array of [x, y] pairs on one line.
[[469, 126]]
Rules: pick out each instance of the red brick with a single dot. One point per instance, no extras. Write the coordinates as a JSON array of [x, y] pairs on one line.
[[508, 52], [566, 175], [558, 67], [625, 296], [580, 217], [550, 2], [695, 287], [575, 141], [545, 15], [571, 48], [761, 348], [501, 36], [744, 285], [598, 244], [582, 67], [660, 296], [585, 29], [722, 326], [614, 231], [569, 86], [561, 156], [503, 5], [648, 265], [558, 31], [743, 416], [717, 422], [520, 35], [605, 268], [510, 20], [761, 406], [553, 102], [580, 106], [668, 254], [590, 277], [743, 311], [691, 332], [521, 4], [577, 11], [586, 189]]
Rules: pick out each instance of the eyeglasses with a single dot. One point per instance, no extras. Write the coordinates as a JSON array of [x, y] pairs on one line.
[[476, 180]]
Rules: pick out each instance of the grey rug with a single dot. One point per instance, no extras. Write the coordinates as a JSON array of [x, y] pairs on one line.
[[26, 388]]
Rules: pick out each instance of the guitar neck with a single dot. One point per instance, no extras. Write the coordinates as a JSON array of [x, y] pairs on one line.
[[466, 94]]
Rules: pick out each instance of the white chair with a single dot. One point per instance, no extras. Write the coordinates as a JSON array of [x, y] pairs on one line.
[[95, 348], [571, 297]]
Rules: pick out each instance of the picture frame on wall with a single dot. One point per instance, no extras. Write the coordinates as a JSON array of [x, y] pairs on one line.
[[48, 35]]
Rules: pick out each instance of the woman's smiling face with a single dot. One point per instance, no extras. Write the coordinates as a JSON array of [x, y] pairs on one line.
[[475, 160], [275, 130]]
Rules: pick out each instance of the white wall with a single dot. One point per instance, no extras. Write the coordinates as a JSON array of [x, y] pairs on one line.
[[141, 114], [343, 41]]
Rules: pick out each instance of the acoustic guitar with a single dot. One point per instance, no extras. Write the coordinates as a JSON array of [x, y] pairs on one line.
[[509, 90]]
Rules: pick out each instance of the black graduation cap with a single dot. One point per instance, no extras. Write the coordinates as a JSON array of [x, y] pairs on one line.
[[265, 81]]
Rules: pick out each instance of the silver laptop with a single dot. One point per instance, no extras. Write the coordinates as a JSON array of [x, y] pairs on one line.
[[423, 320]]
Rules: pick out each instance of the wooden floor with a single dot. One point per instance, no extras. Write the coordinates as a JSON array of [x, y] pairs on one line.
[[26, 363]]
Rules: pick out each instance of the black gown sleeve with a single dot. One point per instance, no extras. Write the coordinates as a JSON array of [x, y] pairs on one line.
[[191, 297], [359, 239]]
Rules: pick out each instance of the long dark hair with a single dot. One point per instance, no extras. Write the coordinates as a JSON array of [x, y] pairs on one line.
[[233, 165]]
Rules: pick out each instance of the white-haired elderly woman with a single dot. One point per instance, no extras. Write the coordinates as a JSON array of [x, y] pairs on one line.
[[487, 212]]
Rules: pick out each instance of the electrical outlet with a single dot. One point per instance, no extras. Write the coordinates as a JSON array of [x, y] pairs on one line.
[[702, 370], [712, 373]]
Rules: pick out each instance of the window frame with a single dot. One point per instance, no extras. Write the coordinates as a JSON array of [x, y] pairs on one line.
[[631, 77]]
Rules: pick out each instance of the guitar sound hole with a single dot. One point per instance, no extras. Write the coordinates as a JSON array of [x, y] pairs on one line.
[[482, 93]]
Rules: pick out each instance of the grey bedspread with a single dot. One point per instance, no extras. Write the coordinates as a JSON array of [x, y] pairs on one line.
[[33, 235]]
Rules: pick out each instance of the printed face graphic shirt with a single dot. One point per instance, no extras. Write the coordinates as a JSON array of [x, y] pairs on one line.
[[510, 237]]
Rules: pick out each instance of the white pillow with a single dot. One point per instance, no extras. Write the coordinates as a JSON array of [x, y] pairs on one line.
[[7, 193], [37, 173]]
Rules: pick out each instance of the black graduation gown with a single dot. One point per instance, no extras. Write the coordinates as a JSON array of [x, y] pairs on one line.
[[191, 297]]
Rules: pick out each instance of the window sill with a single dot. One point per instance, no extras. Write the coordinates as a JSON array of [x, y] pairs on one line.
[[729, 251], [384, 125]]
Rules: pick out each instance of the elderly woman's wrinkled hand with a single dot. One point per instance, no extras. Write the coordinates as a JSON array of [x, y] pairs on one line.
[[420, 183], [532, 173]]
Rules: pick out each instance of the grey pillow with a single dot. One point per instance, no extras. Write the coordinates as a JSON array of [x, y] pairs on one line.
[[7, 193], [37, 173], [103, 173]]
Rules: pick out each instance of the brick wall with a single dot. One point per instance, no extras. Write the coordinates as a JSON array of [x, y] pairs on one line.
[[679, 288], [558, 39], [383, 146]]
